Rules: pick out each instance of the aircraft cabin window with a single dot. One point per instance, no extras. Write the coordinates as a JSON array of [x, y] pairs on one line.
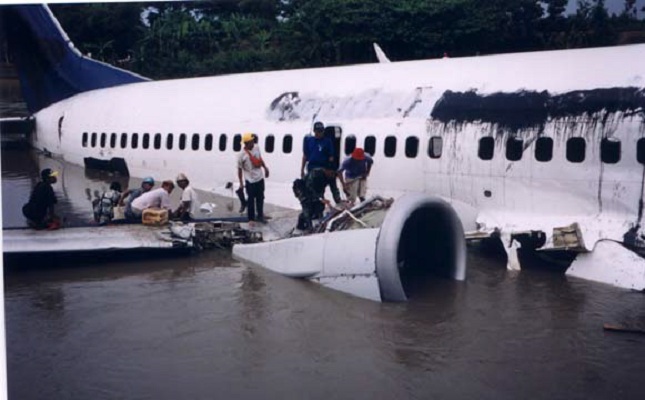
[[169, 140], [576, 148], [640, 150], [84, 140], [113, 140], [157, 141], [610, 150], [390, 146], [182, 141], [411, 146], [435, 146], [544, 149], [350, 144], [103, 139], [195, 142], [287, 144], [486, 148], [208, 142], [124, 140], [514, 148], [370, 145], [237, 142], [146, 141], [269, 143], [222, 142], [93, 140], [135, 141]]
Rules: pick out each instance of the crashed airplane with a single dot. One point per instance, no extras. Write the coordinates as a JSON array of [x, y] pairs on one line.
[[544, 151]]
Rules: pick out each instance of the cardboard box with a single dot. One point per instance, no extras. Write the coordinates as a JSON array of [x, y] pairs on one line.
[[154, 216]]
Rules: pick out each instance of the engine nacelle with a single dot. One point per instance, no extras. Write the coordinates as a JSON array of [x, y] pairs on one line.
[[420, 236]]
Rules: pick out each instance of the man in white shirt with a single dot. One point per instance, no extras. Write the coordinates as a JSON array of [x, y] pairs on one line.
[[249, 167], [189, 203], [158, 198]]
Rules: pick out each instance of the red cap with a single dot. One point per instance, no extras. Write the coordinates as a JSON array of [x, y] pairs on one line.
[[358, 154]]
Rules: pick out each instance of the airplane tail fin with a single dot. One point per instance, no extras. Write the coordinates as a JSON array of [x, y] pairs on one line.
[[380, 54], [50, 68]]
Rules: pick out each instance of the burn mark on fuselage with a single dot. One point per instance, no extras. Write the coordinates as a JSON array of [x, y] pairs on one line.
[[524, 109], [283, 107]]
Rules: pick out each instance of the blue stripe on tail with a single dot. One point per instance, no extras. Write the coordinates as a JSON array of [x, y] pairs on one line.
[[50, 68]]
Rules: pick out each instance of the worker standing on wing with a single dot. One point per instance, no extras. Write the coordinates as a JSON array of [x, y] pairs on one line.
[[357, 168], [249, 171]]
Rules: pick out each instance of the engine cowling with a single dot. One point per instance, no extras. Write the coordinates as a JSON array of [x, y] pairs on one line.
[[421, 236]]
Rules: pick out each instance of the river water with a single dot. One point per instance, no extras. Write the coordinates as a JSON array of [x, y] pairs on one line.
[[205, 326]]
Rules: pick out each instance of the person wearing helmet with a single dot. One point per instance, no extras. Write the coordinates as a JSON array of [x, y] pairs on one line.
[[357, 168], [129, 195], [249, 171], [39, 210], [158, 198], [189, 203]]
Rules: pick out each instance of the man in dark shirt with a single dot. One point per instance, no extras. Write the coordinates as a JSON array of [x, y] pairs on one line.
[[318, 152], [39, 211], [310, 191]]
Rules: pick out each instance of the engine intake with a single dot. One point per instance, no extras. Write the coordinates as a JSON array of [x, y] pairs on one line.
[[420, 236]]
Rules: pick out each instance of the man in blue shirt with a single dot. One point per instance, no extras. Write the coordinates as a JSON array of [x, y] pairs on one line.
[[318, 152], [357, 168]]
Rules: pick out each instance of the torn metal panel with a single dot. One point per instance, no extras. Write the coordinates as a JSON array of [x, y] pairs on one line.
[[568, 238], [610, 263]]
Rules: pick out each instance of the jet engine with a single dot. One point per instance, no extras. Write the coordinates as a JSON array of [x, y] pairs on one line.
[[379, 253]]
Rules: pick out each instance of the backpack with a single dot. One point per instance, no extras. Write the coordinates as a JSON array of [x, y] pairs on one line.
[[104, 206]]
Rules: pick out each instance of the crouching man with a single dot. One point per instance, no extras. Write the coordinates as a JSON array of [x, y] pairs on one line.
[[158, 198], [189, 203], [39, 210]]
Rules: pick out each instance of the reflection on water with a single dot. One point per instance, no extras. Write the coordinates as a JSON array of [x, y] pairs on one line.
[[11, 104], [75, 189], [205, 326]]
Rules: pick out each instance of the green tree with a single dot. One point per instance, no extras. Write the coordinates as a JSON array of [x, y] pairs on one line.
[[108, 31]]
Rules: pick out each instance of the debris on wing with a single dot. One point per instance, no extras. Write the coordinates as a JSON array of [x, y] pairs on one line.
[[182, 231], [368, 214], [222, 235], [207, 208]]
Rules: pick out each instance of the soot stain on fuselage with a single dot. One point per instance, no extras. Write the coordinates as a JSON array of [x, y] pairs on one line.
[[524, 109]]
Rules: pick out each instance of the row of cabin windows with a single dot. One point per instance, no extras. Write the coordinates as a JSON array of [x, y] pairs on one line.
[[576, 148], [168, 143], [132, 141], [610, 149]]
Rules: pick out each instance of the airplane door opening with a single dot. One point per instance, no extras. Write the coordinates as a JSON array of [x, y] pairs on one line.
[[335, 133]]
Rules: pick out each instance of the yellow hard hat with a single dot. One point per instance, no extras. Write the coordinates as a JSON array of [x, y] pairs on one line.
[[247, 137]]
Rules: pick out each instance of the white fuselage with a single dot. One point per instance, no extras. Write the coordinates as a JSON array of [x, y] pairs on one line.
[[391, 103]]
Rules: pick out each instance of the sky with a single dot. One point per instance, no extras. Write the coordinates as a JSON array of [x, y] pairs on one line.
[[613, 6]]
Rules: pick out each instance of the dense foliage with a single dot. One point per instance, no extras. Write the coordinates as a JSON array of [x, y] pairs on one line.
[[184, 39]]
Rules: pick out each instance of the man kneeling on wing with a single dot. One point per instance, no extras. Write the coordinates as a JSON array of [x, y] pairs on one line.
[[158, 198]]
